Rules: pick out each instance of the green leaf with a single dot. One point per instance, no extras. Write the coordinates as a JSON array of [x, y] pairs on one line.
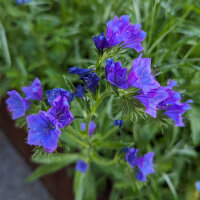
[[46, 169], [195, 125], [79, 185]]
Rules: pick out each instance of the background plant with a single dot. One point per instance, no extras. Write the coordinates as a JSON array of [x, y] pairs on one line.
[[45, 38]]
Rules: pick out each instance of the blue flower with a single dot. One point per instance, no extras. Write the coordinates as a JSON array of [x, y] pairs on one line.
[[121, 32], [91, 80], [118, 123], [16, 104], [92, 127], [19, 2], [116, 74], [101, 42], [79, 71], [60, 111], [80, 91], [34, 91], [140, 75], [43, 131], [131, 156], [197, 184], [81, 166], [152, 99], [51, 95], [142, 165]]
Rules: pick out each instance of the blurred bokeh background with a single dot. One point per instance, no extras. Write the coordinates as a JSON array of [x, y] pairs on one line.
[[45, 37]]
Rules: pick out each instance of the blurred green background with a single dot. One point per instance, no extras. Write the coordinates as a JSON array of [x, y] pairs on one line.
[[46, 37]]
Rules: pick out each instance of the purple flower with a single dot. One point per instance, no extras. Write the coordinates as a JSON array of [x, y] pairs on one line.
[[101, 42], [16, 104], [131, 156], [43, 131], [121, 32], [80, 90], [19, 2], [91, 80], [152, 99], [60, 111], [51, 95], [197, 184], [92, 127], [79, 71], [81, 166], [116, 74], [172, 105], [145, 166], [140, 75], [34, 91], [176, 111], [118, 123]]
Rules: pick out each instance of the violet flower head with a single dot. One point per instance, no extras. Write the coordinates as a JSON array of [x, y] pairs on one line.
[[79, 71], [19, 2], [116, 74], [92, 81], [92, 127], [176, 111], [152, 99], [80, 91], [144, 166], [121, 32], [51, 95], [131, 156], [172, 105], [118, 123], [60, 111], [140, 75], [197, 184], [43, 131], [101, 42], [81, 166], [34, 91], [16, 104]]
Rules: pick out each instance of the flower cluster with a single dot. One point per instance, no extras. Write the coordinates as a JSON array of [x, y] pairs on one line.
[[45, 126], [19, 2], [153, 96]]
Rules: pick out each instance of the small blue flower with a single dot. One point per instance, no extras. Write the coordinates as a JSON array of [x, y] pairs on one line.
[[131, 156], [79, 71], [91, 80], [81, 166], [115, 74], [43, 131], [34, 91], [16, 104], [92, 127], [51, 95], [118, 123], [101, 42], [197, 184], [19, 2], [142, 165], [145, 166], [60, 111], [80, 91], [121, 32], [140, 75]]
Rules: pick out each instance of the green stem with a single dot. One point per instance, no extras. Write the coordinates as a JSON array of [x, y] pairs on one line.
[[109, 133], [98, 101], [71, 133]]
